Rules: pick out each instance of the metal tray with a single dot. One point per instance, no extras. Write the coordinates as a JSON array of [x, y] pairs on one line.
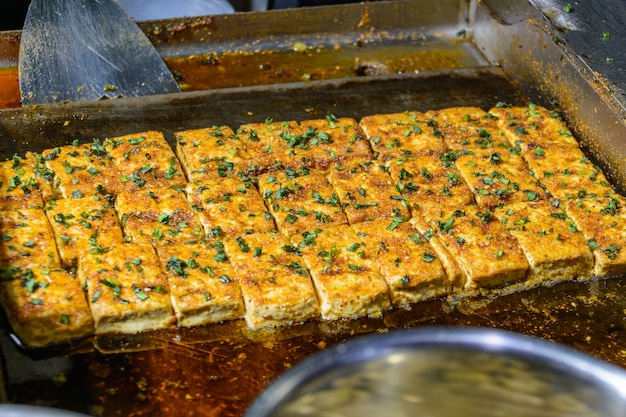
[[514, 55]]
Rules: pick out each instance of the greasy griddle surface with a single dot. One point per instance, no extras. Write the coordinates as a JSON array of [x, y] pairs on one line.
[[218, 370], [41, 127], [221, 377]]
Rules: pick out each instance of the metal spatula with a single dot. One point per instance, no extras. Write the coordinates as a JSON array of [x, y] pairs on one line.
[[84, 50]]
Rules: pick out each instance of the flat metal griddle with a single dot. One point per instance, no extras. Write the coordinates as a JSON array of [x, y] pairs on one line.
[[218, 370]]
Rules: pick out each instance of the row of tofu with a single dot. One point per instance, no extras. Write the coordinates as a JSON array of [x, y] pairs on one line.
[[281, 222]]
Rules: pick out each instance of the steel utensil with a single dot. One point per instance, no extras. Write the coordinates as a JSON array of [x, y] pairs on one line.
[[85, 50]]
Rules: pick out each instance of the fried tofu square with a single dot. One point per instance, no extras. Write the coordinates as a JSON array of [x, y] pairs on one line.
[[430, 183], [472, 131], [499, 178], [575, 178], [19, 188], [229, 207], [492, 168], [27, 240], [47, 182], [45, 306], [551, 151], [127, 289], [300, 200], [486, 252], [602, 221], [82, 170], [159, 216], [203, 289], [264, 144], [554, 247], [405, 259], [83, 225], [367, 192], [465, 127], [322, 144], [532, 126], [145, 160], [404, 134], [347, 281], [210, 153], [275, 283], [566, 172], [456, 275]]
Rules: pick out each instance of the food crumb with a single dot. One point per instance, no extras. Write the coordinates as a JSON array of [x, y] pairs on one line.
[[299, 47]]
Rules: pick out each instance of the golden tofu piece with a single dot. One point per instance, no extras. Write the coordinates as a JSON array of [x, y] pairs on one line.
[[430, 183], [300, 200], [46, 179], [173, 199], [19, 188], [486, 252], [566, 172], [499, 178], [566, 179], [229, 207], [403, 135], [347, 282], [495, 171], [45, 307], [203, 289], [323, 144], [532, 126], [83, 225], [554, 247], [456, 276], [210, 153], [405, 259], [145, 160], [275, 283], [265, 147], [551, 151], [127, 290], [27, 240], [159, 216], [310, 144], [602, 221], [469, 128], [83, 170], [367, 192]]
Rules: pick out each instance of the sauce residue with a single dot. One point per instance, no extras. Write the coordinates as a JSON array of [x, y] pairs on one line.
[[240, 69], [9, 88], [229, 69]]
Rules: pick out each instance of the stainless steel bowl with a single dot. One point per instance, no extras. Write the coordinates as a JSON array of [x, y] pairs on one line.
[[447, 372]]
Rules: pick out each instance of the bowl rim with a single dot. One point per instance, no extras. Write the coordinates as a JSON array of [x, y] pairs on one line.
[[367, 347], [26, 410]]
